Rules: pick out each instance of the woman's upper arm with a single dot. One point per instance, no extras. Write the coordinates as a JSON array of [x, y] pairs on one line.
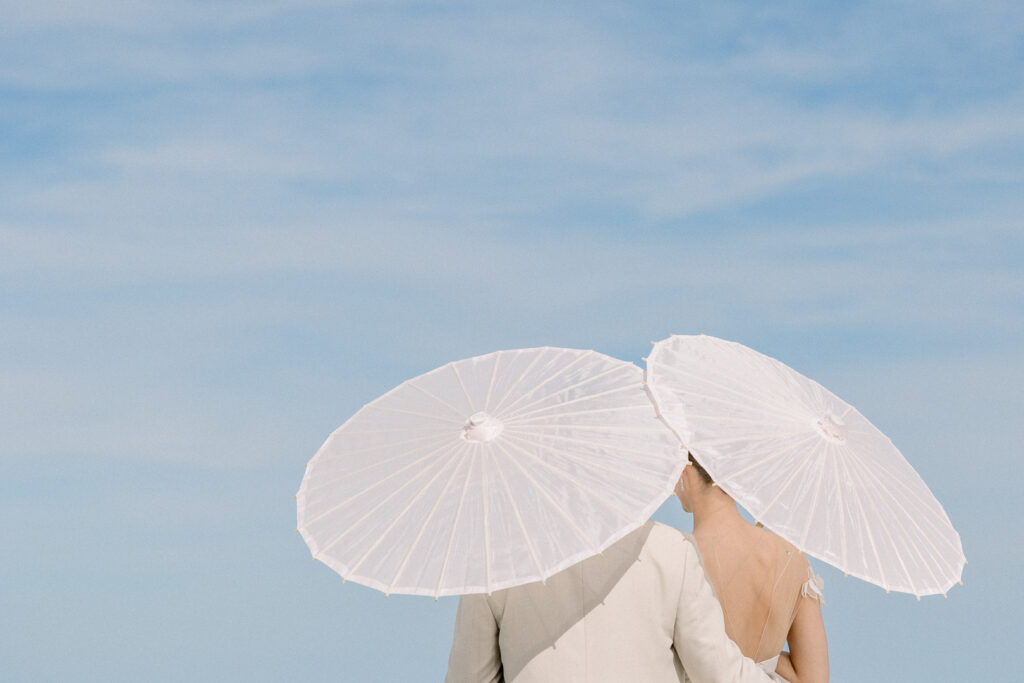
[[808, 648]]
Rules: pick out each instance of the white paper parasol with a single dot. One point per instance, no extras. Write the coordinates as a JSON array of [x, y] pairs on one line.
[[804, 463], [488, 472]]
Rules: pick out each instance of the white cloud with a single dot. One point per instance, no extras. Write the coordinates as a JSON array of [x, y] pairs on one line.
[[173, 347], [494, 114]]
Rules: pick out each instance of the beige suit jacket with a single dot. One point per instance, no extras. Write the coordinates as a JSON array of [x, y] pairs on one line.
[[644, 611]]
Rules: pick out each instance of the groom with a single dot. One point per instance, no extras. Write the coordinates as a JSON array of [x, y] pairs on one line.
[[641, 611]]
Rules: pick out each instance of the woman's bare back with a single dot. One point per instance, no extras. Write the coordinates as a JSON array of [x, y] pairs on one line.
[[759, 579]]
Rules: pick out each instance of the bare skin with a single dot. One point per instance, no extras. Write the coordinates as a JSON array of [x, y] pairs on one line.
[[736, 555]]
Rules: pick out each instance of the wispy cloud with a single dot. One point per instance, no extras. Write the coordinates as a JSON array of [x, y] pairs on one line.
[[171, 348], [425, 108]]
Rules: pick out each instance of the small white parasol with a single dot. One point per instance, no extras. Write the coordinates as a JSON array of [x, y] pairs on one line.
[[804, 463], [487, 473]]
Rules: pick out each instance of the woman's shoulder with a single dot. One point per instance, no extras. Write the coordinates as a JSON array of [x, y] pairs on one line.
[[798, 568], [780, 545]]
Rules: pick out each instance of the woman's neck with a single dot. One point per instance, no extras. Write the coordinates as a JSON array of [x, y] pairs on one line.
[[714, 510]]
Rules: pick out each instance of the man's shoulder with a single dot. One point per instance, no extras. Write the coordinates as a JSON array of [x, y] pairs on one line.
[[669, 534], [667, 542]]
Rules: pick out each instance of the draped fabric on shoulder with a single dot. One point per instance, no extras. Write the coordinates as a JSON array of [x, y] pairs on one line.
[[813, 587], [759, 579]]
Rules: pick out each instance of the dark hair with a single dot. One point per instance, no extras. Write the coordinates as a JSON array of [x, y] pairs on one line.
[[705, 477]]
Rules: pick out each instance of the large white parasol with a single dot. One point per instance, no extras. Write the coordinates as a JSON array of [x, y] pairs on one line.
[[805, 464], [487, 473]]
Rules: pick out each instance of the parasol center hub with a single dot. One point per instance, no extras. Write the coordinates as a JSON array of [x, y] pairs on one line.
[[481, 427], [831, 427]]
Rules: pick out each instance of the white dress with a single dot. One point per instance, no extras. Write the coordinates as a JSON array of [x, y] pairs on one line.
[[768, 666], [811, 587]]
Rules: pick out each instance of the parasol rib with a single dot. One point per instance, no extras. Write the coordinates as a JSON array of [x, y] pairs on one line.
[[487, 529], [446, 433], [928, 508], [374, 485], [817, 491], [690, 417], [377, 463], [426, 522], [767, 459], [749, 357], [401, 515], [455, 526], [519, 517], [867, 527], [747, 400], [842, 512], [875, 434], [928, 562], [462, 384], [490, 385], [561, 404], [562, 390], [554, 503], [750, 407], [570, 439], [927, 518], [619, 472], [411, 412], [602, 428], [554, 470], [392, 430], [763, 512], [518, 421], [519, 380], [369, 513], [697, 443], [436, 398], [564, 369], [927, 537], [881, 502]]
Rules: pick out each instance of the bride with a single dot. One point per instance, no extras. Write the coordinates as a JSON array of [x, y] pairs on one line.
[[768, 593]]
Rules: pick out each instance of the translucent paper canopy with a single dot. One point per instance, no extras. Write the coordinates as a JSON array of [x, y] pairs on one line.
[[487, 473], [804, 463]]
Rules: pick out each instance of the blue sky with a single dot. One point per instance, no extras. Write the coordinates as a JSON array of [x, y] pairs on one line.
[[225, 226]]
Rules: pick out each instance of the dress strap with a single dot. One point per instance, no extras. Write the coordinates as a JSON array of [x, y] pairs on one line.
[[771, 605]]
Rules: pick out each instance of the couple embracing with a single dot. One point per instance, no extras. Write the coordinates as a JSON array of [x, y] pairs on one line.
[[658, 605]]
